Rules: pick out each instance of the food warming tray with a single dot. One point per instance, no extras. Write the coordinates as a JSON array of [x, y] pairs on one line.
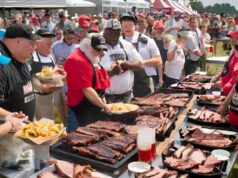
[[196, 91], [161, 137], [217, 173], [207, 147], [62, 151]]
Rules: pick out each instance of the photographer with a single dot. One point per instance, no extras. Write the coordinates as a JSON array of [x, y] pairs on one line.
[[230, 69]]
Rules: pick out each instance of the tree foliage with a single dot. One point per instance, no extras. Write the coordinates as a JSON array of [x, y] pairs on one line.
[[216, 8]]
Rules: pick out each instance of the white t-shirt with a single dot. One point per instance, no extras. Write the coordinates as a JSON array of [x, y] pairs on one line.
[[174, 68], [146, 50], [44, 59], [121, 83], [194, 43]]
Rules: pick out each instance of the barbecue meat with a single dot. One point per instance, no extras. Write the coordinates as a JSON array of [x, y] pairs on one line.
[[211, 161], [175, 102], [123, 144], [100, 152], [213, 99], [83, 171], [108, 125], [198, 156], [48, 175], [203, 170], [64, 168], [179, 151], [213, 138], [150, 101], [74, 139], [92, 132]]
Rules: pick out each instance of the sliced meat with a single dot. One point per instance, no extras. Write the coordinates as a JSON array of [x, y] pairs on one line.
[[211, 161], [178, 152], [186, 153], [175, 102], [48, 175], [64, 168], [202, 170], [198, 156]]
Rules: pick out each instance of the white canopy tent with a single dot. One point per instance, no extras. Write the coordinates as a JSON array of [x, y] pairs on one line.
[[32, 3], [79, 3]]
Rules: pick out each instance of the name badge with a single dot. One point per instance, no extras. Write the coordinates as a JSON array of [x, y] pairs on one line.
[[29, 98]]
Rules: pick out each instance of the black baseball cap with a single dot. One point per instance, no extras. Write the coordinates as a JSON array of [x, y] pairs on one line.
[[129, 18], [45, 33], [21, 31], [98, 42]]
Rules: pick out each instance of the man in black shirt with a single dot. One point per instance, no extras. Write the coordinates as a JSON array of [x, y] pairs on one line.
[[16, 91]]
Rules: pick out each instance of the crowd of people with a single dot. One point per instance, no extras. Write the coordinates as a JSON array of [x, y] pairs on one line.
[[105, 60]]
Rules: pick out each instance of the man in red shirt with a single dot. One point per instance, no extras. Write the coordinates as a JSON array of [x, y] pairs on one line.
[[232, 100], [230, 69], [87, 81]]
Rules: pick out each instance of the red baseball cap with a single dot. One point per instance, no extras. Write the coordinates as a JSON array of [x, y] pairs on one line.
[[84, 21], [158, 25], [233, 34]]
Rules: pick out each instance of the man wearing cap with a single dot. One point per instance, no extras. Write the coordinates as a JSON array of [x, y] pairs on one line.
[[47, 23], [43, 58], [120, 61], [63, 21], [230, 69], [87, 81], [61, 50], [16, 90], [149, 53]]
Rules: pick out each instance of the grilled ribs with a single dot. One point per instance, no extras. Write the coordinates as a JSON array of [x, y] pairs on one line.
[[100, 152], [76, 139], [108, 125], [123, 144]]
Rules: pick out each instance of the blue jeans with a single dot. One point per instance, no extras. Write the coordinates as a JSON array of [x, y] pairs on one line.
[[72, 121]]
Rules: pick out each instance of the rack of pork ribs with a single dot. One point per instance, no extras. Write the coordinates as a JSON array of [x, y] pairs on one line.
[[160, 124], [208, 138], [210, 99], [195, 86], [102, 140], [198, 78], [195, 162], [169, 99], [206, 116], [158, 172], [67, 170]]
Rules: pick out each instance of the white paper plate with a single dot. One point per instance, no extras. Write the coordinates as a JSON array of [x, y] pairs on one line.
[[221, 154], [139, 167], [133, 108]]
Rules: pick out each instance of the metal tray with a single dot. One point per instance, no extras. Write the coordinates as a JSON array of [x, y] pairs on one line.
[[217, 173], [188, 79], [207, 147], [196, 91], [62, 151], [161, 137], [202, 103]]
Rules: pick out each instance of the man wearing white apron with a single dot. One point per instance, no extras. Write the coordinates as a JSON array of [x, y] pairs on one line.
[[120, 61]]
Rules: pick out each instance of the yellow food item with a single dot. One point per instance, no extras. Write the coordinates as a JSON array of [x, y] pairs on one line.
[[122, 107], [37, 129], [46, 72]]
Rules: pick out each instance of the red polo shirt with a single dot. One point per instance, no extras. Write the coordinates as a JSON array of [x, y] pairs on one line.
[[231, 71], [80, 76]]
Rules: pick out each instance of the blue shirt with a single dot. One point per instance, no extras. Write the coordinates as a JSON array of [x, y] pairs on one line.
[[61, 51]]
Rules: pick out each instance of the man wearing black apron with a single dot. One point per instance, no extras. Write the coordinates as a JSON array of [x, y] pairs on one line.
[[87, 81], [16, 91], [42, 58], [149, 52]]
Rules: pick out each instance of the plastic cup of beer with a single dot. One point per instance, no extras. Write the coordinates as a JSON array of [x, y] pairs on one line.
[[146, 144]]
